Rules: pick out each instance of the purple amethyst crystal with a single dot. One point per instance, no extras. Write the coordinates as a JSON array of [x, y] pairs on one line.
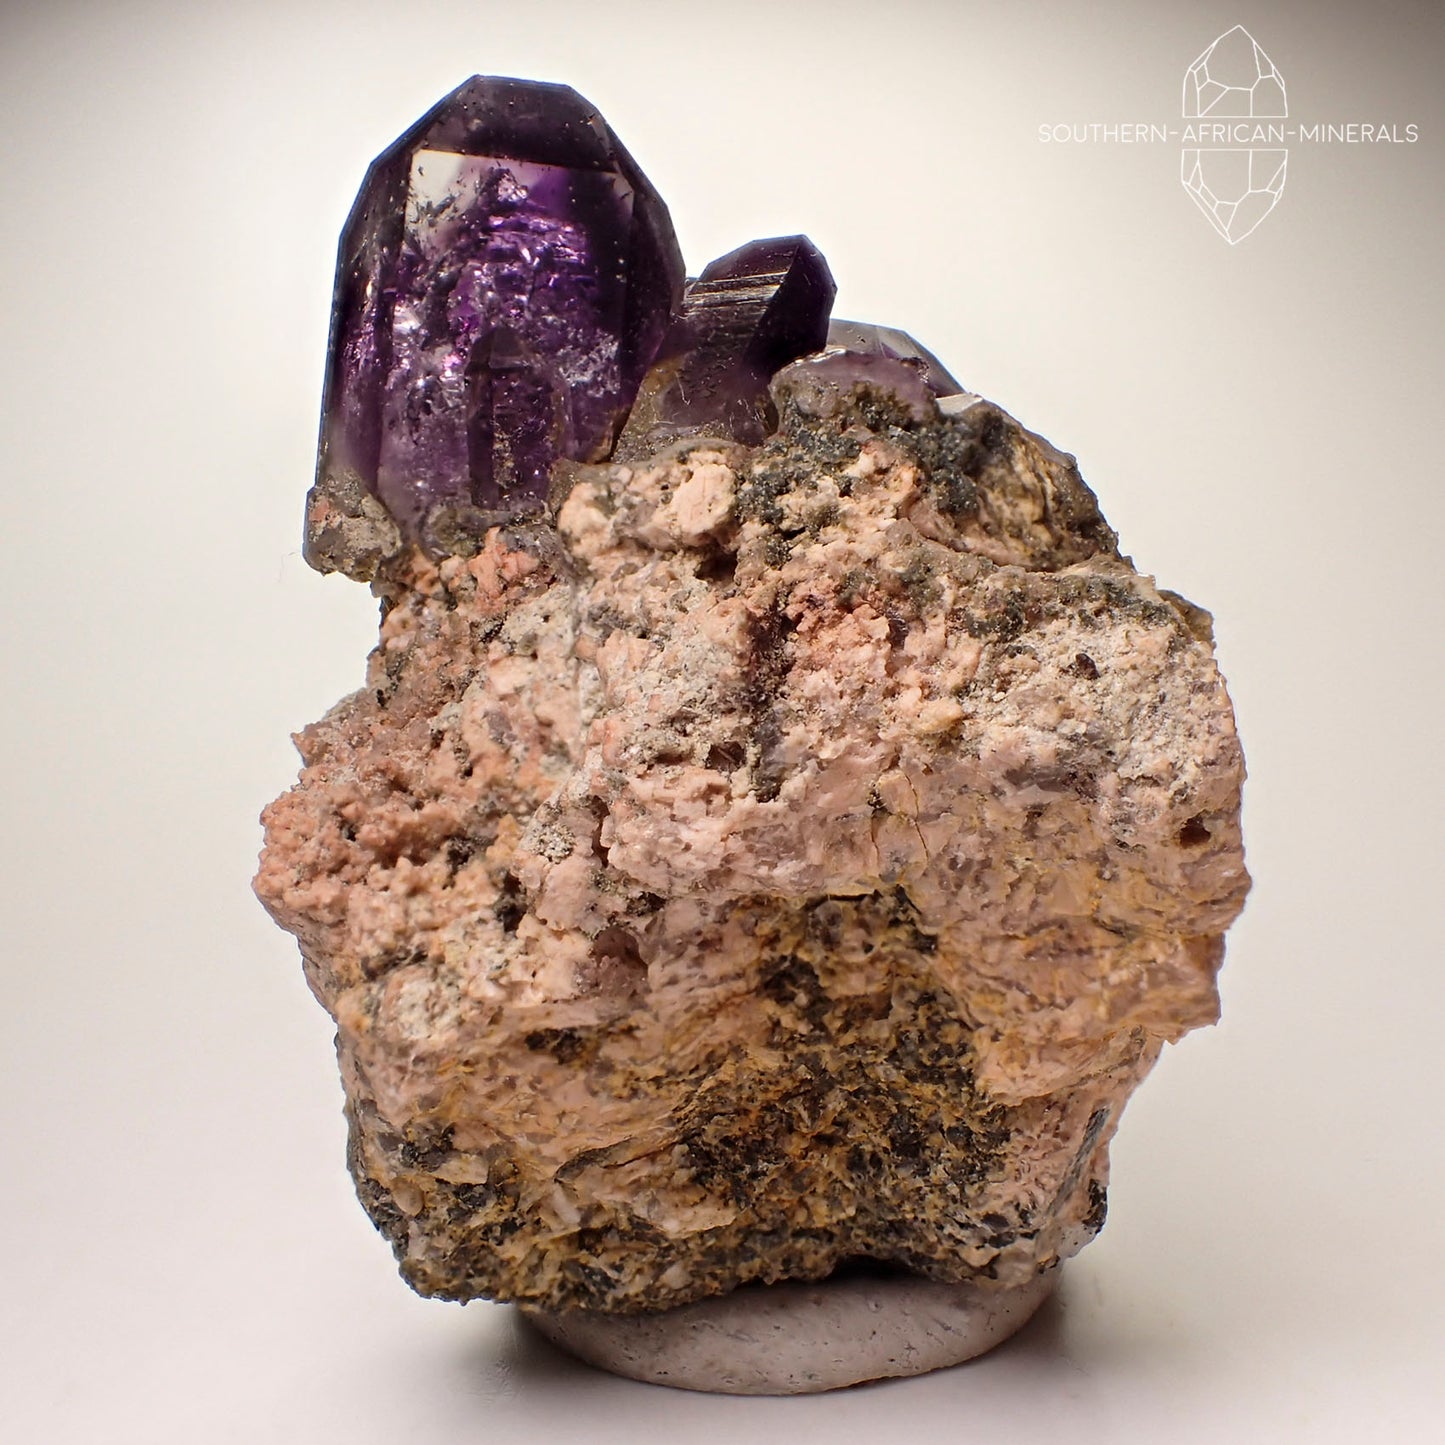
[[505, 279], [847, 386], [898, 346], [749, 314]]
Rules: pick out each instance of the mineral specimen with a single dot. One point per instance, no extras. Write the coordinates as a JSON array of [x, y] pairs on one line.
[[783, 850]]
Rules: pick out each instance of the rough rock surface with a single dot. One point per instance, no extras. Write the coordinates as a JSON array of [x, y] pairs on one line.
[[795, 856]]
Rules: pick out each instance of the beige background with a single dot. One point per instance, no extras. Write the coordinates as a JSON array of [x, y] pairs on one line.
[[183, 1259]]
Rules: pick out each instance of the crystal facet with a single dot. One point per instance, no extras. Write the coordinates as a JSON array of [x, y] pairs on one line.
[[505, 279], [748, 314]]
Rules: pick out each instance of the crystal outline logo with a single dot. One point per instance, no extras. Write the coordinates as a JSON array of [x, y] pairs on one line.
[[1235, 135], [1237, 186]]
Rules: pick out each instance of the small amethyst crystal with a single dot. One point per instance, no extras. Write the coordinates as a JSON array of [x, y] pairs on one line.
[[749, 314], [897, 346], [505, 279]]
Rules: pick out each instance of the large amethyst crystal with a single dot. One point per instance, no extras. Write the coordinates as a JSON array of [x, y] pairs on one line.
[[505, 279]]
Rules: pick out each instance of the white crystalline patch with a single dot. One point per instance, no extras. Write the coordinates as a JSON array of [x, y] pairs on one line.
[[1236, 189], [1234, 78]]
